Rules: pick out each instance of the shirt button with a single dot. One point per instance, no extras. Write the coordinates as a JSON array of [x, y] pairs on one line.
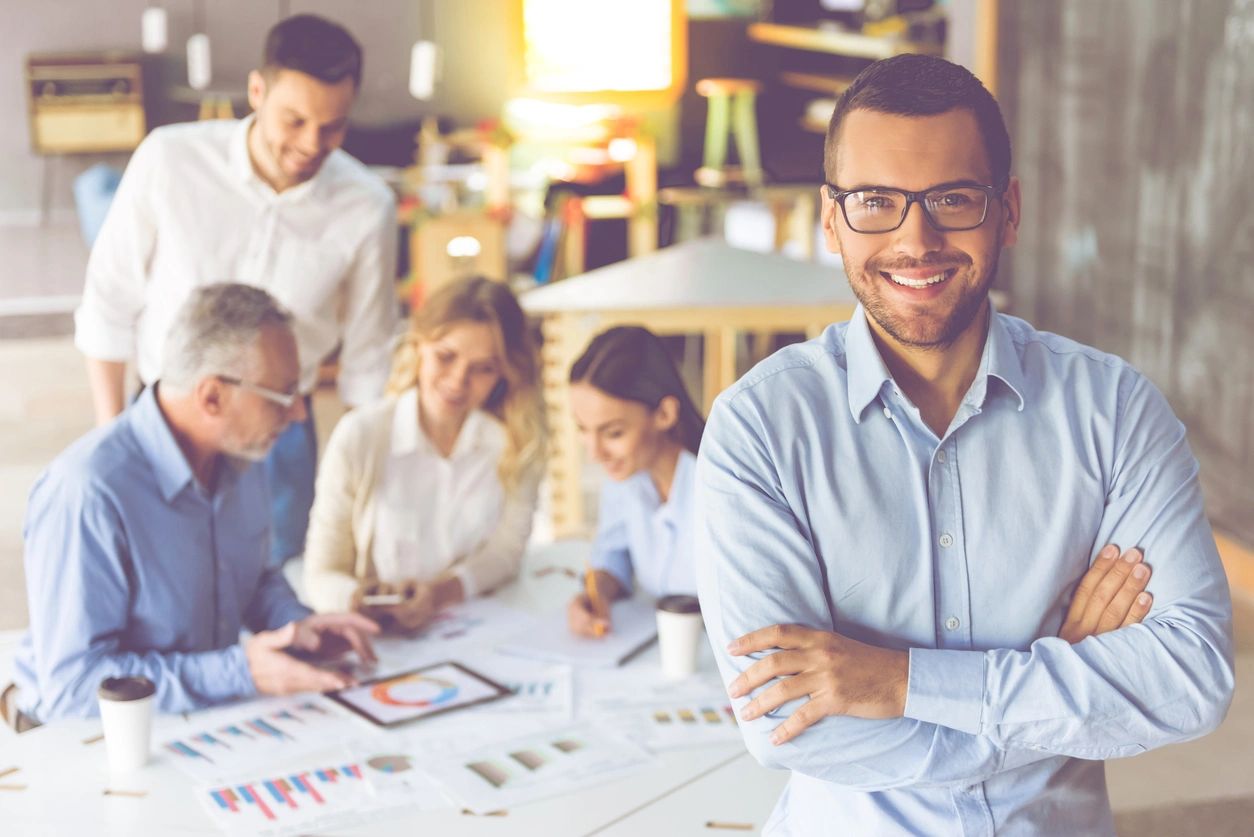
[[952, 623], [888, 413], [946, 539], [940, 455]]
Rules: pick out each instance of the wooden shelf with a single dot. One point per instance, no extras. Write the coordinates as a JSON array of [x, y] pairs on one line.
[[816, 82], [834, 41]]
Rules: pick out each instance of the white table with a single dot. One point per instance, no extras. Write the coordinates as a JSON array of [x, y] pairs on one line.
[[65, 778]]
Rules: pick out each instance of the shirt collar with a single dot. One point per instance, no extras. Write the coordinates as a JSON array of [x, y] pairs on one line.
[[1002, 357], [156, 440], [241, 166], [868, 374], [866, 369], [407, 435], [675, 508]]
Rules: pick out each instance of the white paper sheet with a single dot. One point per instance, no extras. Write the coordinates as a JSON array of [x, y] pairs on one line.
[[511, 773], [634, 626]]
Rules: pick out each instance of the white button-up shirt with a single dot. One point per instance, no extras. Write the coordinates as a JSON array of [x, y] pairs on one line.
[[191, 211], [434, 509]]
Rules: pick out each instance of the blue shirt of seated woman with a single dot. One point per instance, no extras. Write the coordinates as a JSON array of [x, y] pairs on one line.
[[641, 426]]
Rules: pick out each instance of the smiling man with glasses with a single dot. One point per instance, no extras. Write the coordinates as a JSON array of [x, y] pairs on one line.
[[894, 516]]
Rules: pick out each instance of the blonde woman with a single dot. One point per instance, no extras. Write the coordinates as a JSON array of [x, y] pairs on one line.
[[426, 498]]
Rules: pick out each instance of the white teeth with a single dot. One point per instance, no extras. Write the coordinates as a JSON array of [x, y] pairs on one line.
[[917, 283]]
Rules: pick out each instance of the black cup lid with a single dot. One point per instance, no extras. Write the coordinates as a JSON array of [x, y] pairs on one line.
[[126, 688], [679, 604]]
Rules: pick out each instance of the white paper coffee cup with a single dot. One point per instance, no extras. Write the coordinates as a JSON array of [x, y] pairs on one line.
[[678, 632], [126, 717]]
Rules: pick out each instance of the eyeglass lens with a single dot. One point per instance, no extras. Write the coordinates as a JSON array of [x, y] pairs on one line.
[[881, 210]]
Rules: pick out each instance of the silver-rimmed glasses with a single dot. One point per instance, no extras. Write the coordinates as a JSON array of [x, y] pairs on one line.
[[283, 399]]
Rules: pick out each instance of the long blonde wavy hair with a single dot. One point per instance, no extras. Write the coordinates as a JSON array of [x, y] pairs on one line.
[[516, 398]]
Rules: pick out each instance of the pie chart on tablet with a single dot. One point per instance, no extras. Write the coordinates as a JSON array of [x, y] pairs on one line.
[[416, 690]]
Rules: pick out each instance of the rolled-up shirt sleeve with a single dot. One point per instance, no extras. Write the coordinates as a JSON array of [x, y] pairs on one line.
[[113, 293]]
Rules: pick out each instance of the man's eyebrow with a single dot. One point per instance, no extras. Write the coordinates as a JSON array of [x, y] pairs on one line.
[[880, 187]]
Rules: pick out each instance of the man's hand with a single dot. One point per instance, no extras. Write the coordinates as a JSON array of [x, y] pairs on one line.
[[1111, 595], [841, 676], [276, 672]]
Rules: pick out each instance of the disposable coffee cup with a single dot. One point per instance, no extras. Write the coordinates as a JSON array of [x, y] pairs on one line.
[[126, 716], [678, 632]]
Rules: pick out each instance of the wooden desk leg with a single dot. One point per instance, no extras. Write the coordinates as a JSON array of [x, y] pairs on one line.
[[720, 363], [563, 341]]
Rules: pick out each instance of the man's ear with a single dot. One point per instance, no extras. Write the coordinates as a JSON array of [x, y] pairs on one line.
[[666, 416], [210, 396], [256, 89], [830, 216], [1012, 204]]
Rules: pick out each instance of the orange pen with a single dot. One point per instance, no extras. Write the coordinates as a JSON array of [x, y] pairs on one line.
[[594, 598]]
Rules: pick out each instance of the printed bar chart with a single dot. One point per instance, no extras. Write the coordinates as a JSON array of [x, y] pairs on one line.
[[249, 741], [291, 799]]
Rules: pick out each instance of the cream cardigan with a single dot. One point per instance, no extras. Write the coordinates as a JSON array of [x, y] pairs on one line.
[[339, 544]]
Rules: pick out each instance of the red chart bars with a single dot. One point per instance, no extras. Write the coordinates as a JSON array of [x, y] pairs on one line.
[[274, 798]]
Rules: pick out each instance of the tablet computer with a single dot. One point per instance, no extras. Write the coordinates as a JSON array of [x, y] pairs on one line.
[[412, 695]]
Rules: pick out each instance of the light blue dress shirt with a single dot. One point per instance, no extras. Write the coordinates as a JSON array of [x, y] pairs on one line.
[[133, 569], [825, 500], [639, 537]]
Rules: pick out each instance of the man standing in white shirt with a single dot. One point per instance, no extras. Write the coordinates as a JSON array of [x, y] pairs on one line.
[[269, 201]]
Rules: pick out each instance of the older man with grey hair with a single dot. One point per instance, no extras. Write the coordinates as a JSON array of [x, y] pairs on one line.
[[147, 539]]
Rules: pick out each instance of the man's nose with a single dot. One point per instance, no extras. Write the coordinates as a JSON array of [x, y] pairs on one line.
[[916, 237]]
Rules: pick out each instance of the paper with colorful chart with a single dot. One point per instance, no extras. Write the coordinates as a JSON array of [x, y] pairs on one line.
[[545, 692], [370, 780], [415, 694], [502, 775], [224, 742]]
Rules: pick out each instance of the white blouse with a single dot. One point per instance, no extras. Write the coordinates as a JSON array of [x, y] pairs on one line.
[[434, 510]]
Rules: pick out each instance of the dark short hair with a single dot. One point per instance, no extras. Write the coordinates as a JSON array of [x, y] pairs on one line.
[[315, 46], [630, 362], [923, 85]]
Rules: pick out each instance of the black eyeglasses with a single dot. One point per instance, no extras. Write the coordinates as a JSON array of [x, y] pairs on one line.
[[949, 207]]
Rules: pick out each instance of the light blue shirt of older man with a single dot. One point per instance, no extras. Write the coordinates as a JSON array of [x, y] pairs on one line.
[[134, 569], [825, 500]]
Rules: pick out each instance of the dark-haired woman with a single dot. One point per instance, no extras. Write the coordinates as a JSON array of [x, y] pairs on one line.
[[642, 427]]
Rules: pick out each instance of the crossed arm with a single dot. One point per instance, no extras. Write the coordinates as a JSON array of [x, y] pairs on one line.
[[885, 718], [835, 675]]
